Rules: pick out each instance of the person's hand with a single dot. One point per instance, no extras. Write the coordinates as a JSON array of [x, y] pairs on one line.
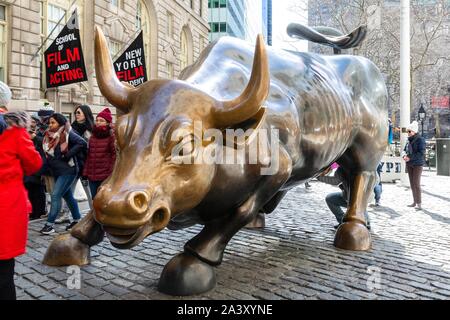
[[406, 158]]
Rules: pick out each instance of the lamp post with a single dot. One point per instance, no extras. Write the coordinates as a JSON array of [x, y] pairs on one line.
[[422, 115]]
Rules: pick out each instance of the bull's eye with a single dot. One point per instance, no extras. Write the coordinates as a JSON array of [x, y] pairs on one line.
[[184, 150]]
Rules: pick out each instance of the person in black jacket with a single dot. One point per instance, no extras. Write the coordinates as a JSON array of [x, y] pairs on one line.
[[34, 183], [61, 146], [414, 156]]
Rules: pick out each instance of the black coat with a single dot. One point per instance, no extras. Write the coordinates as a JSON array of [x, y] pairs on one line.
[[59, 164], [36, 178], [415, 149]]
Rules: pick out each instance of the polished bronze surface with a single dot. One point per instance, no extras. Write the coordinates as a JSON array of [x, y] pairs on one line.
[[66, 250], [324, 109], [328, 36]]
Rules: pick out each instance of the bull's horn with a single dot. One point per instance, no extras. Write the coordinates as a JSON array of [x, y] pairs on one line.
[[116, 92], [250, 101]]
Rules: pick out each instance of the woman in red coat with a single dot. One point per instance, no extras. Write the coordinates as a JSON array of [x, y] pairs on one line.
[[18, 157], [101, 152]]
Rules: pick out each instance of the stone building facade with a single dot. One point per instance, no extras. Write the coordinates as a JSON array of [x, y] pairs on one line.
[[175, 32]]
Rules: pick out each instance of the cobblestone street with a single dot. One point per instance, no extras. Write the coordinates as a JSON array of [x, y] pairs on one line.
[[292, 258]]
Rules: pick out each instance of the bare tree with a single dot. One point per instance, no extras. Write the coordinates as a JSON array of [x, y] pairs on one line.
[[430, 38]]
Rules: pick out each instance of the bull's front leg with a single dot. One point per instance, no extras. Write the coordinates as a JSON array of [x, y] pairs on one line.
[[74, 248], [192, 272], [353, 234]]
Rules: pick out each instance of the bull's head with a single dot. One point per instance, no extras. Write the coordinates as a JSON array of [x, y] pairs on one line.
[[147, 188]]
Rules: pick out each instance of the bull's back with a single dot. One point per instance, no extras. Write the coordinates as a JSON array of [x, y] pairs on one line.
[[314, 100]]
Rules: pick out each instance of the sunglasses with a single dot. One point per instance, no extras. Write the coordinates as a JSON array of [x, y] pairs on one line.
[[409, 131], [78, 112]]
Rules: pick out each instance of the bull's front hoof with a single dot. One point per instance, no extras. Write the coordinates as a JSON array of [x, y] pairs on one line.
[[186, 275], [353, 236], [66, 250], [258, 222]]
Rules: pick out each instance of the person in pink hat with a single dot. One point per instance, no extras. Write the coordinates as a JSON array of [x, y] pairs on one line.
[[101, 151]]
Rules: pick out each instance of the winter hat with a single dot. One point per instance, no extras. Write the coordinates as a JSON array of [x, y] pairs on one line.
[[106, 114], [414, 126], [46, 111], [5, 94], [61, 119], [17, 119], [35, 117]]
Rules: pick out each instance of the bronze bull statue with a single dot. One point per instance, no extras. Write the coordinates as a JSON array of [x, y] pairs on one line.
[[325, 109]]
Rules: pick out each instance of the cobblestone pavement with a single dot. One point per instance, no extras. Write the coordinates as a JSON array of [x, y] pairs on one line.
[[292, 258]]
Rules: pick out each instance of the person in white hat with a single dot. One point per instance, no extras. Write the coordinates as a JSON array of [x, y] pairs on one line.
[[5, 99], [414, 156]]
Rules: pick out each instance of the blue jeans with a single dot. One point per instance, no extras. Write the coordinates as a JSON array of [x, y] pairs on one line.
[[336, 202], [62, 190], [94, 185], [378, 190]]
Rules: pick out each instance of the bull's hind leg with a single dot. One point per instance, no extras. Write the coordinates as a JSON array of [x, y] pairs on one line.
[[191, 272], [74, 248], [353, 234]]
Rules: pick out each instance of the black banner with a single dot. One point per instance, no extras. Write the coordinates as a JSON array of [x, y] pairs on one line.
[[64, 59], [130, 66]]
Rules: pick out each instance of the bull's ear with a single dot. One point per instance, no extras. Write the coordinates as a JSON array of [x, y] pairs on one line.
[[116, 92], [228, 113]]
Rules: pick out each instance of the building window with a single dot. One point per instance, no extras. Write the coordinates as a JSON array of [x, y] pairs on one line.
[[200, 8], [3, 42], [115, 3], [223, 3], [170, 73], [223, 27], [143, 23], [192, 4], [114, 47], [54, 15], [169, 24], [53, 18], [184, 51]]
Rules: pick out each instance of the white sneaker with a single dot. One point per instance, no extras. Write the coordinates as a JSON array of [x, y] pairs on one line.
[[65, 218]]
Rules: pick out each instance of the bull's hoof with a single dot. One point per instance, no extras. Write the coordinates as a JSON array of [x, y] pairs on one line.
[[258, 222], [66, 250], [353, 236], [186, 275]]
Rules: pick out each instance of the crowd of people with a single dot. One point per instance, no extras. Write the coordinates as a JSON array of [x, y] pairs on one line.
[[43, 153]]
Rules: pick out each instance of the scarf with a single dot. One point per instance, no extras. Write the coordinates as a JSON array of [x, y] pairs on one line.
[[52, 139], [81, 128], [101, 132]]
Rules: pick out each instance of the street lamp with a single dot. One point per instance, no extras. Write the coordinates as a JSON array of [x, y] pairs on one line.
[[422, 115]]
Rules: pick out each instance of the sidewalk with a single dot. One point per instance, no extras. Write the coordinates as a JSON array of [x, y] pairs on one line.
[[292, 258]]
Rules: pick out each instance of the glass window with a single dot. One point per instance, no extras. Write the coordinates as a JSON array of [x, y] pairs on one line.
[[223, 3], [3, 42], [170, 73], [54, 15], [143, 23], [169, 24], [223, 27], [115, 3], [114, 47], [184, 51]]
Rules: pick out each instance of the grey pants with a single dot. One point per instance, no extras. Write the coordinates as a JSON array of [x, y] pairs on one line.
[[414, 174], [336, 202]]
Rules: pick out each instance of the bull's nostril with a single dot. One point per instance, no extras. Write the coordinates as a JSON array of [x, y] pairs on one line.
[[159, 216], [139, 200]]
